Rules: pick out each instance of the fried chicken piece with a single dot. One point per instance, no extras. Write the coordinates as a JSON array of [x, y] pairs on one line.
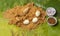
[[11, 13], [25, 9]]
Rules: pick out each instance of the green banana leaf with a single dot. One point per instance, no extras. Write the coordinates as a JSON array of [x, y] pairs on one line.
[[41, 30]]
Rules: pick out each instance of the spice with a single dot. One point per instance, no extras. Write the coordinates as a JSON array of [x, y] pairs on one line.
[[51, 20]]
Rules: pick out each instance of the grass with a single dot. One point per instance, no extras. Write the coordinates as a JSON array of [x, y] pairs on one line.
[[41, 30]]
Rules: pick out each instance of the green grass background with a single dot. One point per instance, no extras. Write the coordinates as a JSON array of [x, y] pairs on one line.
[[41, 30]]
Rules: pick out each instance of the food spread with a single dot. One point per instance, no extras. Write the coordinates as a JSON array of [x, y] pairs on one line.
[[28, 16]]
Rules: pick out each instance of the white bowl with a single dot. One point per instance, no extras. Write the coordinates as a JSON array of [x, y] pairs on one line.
[[53, 18], [51, 11]]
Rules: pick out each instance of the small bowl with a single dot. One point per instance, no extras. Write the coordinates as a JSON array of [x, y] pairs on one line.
[[52, 24], [51, 11]]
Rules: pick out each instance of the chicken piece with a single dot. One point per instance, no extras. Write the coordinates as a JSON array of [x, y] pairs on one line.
[[25, 9], [11, 13]]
